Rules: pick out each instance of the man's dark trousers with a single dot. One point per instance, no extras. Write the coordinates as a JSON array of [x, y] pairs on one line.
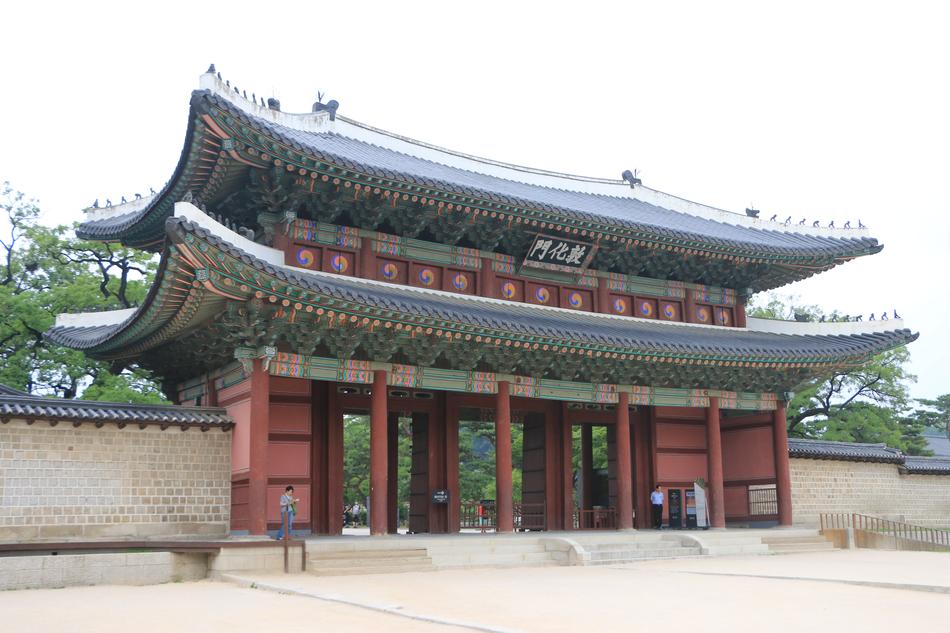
[[657, 516]]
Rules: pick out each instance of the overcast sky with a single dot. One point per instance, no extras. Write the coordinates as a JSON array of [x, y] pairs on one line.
[[827, 110]]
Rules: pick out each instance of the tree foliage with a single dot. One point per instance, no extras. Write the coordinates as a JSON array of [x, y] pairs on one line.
[[870, 403], [934, 414], [47, 271]]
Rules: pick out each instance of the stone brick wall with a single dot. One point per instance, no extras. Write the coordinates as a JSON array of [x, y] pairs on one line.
[[67, 482], [821, 485], [75, 570]]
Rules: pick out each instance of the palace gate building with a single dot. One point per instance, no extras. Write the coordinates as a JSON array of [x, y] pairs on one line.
[[313, 266]]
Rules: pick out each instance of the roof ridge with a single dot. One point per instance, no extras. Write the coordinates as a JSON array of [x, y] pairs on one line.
[[321, 122]]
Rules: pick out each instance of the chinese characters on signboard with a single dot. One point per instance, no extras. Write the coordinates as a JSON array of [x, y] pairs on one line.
[[556, 253]]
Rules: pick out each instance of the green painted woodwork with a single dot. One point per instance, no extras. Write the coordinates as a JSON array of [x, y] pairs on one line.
[[189, 327], [291, 365]]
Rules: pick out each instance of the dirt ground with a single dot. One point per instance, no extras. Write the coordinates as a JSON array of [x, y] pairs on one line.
[[762, 593]]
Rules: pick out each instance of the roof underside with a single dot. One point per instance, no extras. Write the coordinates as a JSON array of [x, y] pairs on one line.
[[203, 278], [225, 142]]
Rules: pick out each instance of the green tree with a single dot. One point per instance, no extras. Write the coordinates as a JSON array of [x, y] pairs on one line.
[[870, 403], [934, 414], [47, 271]]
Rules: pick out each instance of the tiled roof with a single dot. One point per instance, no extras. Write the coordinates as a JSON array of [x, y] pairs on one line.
[[855, 452], [848, 451], [10, 391], [18, 405], [927, 465], [521, 318], [612, 210]]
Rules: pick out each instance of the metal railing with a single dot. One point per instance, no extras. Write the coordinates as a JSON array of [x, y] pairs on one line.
[[483, 516], [763, 501], [477, 515], [595, 519], [529, 516], [885, 527]]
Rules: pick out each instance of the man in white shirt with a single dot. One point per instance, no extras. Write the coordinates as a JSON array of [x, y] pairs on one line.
[[656, 499]]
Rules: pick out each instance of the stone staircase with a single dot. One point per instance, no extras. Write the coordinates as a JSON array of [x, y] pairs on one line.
[[514, 551], [387, 555], [634, 547], [349, 562], [758, 541]]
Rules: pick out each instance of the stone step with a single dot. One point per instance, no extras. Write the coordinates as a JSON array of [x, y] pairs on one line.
[[603, 558], [637, 545], [527, 558], [724, 539], [339, 563], [800, 547], [729, 550], [372, 554], [497, 565], [355, 571], [534, 546], [768, 540]]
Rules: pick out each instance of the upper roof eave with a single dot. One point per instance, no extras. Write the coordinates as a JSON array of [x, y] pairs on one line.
[[585, 198]]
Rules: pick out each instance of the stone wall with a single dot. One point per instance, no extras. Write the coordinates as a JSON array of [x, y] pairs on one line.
[[74, 570], [64, 482], [823, 485]]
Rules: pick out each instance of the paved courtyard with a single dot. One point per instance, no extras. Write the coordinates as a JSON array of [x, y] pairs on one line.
[[843, 590]]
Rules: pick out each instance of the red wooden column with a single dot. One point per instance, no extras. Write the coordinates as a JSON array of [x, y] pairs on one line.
[[783, 482], [567, 469], [641, 462], [378, 475], [392, 472], [717, 510], [486, 285], [603, 296], [689, 307], [335, 458], [587, 467], [503, 502], [740, 313], [624, 471], [552, 436], [211, 393], [260, 428], [367, 259], [452, 462]]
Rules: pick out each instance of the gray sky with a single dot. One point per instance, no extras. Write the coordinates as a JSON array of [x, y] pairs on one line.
[[826, 110]]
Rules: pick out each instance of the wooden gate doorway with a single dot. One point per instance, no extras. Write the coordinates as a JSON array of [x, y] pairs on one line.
[[416, 461], [595, 489], [536, 465]]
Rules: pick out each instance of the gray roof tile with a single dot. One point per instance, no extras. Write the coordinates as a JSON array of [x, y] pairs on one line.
[[627, 333], [22, 405], [611, 210]]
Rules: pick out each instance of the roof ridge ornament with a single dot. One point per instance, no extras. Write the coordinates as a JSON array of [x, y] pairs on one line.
[[631, 177], [330, 106]]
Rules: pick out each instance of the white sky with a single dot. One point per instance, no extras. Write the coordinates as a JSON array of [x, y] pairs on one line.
[[819, 110]]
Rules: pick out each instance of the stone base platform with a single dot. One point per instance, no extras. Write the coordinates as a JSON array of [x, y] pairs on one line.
[[357, 555]]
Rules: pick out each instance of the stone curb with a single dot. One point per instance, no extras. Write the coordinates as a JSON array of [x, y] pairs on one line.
[[396, 611]]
